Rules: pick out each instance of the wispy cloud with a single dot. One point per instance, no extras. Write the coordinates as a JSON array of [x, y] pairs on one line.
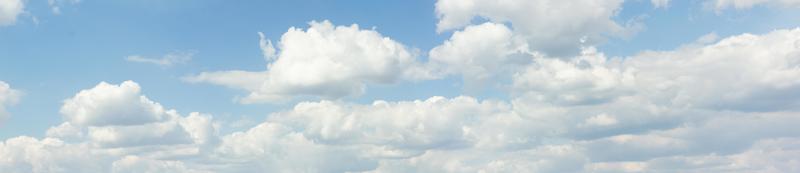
[[168, 60]]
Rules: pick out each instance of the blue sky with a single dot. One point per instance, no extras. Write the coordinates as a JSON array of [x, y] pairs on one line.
[[50, 56]]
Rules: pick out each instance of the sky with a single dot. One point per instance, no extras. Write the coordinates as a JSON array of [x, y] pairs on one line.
[[400, 86]]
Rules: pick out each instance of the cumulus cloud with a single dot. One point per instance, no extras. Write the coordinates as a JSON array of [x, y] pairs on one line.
[[589, 78], [108, 104], [480, 53], [753, 67], [27, 154], [8, 96], [9, 10], [323, 61], [170, 59], [555, 27], [714, 105], [112, 128]]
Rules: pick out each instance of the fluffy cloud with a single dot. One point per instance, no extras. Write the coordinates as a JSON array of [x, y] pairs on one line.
[[555, 27], [589, 78], [113, 116], [8, 96], [751, 67], [27, 154], [480, 53], [170, 59], [710, 106], [113, 128], [108, 104], [325, 61], [9, 10]]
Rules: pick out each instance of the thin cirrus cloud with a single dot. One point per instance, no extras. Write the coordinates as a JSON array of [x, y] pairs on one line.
[[713, 105], [167, 60]]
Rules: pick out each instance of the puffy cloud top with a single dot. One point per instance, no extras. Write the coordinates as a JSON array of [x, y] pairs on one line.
[[108, 104], [325, 61], [556, 27]]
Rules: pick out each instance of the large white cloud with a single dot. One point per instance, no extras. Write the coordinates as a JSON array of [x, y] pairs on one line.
[[556, 27], [746, 72], [480, 53], [9, 10], [113, 116], [26, 154], [324, 61], [8, 96], [108, 104], [113, 128]]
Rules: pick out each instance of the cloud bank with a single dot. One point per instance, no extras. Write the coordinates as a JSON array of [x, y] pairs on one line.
[[725, 106], [714, 105]]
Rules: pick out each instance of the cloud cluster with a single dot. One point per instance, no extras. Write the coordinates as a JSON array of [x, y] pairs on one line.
[[323, 61], [555, 27], [710, 106], [725, 106], [480, 53], [9, 10]]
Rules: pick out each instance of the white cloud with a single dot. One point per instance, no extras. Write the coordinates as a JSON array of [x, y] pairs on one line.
[[170, 59], [555, 27], [325, 61], [119, 116], [108, 104], [9, 10], [26, 154], [480, 53], [708, 106], [729, 74], [113, 128], [8, 96], [587, 79], [267, 49]]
